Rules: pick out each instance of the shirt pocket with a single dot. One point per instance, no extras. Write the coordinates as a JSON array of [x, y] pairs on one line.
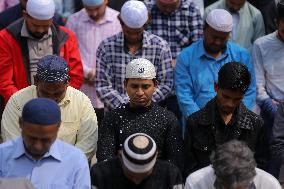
[[68, 131]]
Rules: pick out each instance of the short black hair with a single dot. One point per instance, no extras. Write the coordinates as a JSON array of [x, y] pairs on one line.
[[233, 163], [280, 10], [234, 76]]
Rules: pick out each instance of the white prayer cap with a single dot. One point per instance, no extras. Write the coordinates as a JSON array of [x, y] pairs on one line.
[[92, 2], [134, 14], [41, 9], [220, 20], [140, 68]]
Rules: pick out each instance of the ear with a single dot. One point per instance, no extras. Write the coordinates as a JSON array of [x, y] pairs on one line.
[[21, 122], [125, 83], [216, 87]]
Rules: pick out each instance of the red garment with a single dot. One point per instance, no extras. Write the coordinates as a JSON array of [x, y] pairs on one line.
[[13, 73]]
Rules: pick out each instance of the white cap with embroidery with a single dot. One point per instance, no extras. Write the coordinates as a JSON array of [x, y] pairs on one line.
[[41, 9], [134, 14], [140, 68], [220, 20]]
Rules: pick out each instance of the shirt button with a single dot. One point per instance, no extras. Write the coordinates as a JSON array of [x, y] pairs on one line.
[[205, 148]]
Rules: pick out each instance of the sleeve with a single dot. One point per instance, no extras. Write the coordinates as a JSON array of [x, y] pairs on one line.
[[184, 88], [259, 29], [277, 145], [174, 143], [107, 138], [10, 121], [195, 24], [259, 73], [250, 95], [7, 85], [110, 97], [190, 159], [262, 154], [88, 132], [82, 175], [74, 62], [164, 75]]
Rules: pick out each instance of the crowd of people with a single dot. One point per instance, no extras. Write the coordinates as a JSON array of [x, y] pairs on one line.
[[169, 94]]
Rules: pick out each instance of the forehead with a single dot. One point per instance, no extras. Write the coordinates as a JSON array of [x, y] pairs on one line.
[[39, 22], [140, 81], [236, 2], [39, 131], [212, 31], [232, 93]]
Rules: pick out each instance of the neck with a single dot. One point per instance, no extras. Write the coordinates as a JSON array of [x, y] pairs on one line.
[[133, 48]]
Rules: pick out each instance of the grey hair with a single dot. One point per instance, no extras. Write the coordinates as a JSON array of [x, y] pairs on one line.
[[233, 164]]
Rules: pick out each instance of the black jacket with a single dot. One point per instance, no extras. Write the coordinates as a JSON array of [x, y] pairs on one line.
[[204, 133]]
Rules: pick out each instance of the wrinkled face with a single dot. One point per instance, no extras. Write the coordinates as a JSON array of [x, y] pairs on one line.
[[215, 41], [228, 100], [168, 8], [37, 138], [55, 91], [96, 12], [235, 5], [140, 91], [281, 29], [37, 28], [131, 35]]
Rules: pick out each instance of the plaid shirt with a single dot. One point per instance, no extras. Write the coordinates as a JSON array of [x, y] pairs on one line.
[[112, 57], [179, 29]]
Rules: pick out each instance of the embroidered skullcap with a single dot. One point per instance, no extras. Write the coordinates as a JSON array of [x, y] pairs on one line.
[[92, 2], [41, 9], [168, 1], [139, 153], [140, 68], [134, 14], [52, 68], [41, 111], [220, 20]]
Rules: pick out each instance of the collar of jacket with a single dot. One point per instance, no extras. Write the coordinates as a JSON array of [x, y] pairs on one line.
[[207, 116]]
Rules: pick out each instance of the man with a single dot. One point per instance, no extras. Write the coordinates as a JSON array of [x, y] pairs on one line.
[[16, 12], [78, 121], [225, 118], [246, 20], [233, 166], [176, 21], [133, 42], [24, 42], [136, 167], [39, 156], [91, 25], [141, 115], [198, 65], [268, 62], [270, 15]]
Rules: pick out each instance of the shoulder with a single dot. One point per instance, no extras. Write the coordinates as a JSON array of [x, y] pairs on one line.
[[154, 39], [191, 48], [111, 41], [265, 180], [22, 96], [265, 40], [237, 49], [201, 178], [105, 169], [163, 113], [251, 117], [70, 153], [77, 95], [253, 10], [76, 16], [112, 11], [8, 148]]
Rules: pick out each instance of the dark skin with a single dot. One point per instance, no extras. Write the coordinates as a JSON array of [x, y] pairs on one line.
[[168, 8], [55, 91], [227, 102], [235, 5], [38, 138], [97, 12]]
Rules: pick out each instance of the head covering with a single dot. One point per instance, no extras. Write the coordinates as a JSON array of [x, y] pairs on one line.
[[220, 20], [92, 2], [134, 14], [52, 68], [41, 111], [140, 68], [168, 1], [41, 9], [139, 153]]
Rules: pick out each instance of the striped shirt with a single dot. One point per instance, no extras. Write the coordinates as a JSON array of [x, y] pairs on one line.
[[89, 35], [112, 57]]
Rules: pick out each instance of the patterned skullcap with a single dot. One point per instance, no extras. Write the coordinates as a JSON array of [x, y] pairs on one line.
[[139, 153], [140, 68], [92, 2], [220, 20], [41, 111], [134, 14], [41, 9], [52, 68]]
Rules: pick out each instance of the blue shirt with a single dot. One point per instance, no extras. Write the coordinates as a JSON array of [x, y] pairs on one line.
[[63, 167], [197, 71]]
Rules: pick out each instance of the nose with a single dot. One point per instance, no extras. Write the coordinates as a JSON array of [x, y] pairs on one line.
[[139, 92], [37, 145]]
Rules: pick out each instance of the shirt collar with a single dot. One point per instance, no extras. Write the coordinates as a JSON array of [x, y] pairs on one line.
[[25, 33], [106, 18], [54, 150]]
